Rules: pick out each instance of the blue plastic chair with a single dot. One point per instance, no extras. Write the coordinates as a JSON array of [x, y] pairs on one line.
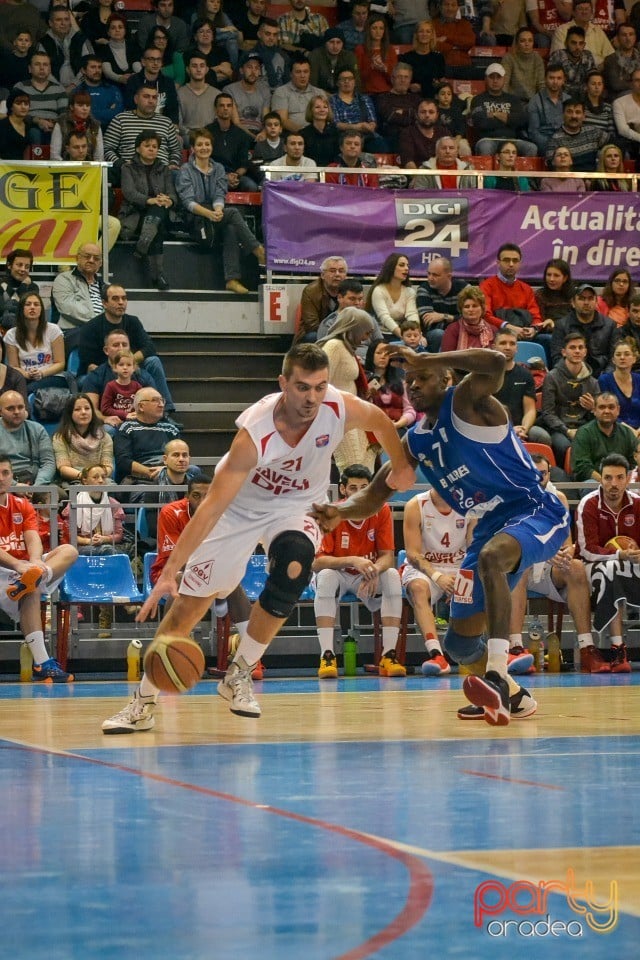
[[255, 576], [147, 562], [93, 580], [100, 580], [526, 351], [73, 362]]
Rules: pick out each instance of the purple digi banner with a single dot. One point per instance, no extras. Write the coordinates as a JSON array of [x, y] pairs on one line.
[[306, 222]]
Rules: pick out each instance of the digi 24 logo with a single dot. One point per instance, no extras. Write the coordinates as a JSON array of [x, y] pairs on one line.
[[436, 225]]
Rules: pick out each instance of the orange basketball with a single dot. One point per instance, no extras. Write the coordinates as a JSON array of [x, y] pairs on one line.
[[174, 664], [622, 543]]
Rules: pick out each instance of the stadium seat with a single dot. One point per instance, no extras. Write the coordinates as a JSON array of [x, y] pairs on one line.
[[255, 576], [244, 198], [526, 351], [566, 466], [148, 561], [38, 152], [535, 164], [94, 580], [73, 362], [482, 163], [542, 448]]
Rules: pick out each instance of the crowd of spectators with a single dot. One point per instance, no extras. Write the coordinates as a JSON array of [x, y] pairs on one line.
[[189, 107]]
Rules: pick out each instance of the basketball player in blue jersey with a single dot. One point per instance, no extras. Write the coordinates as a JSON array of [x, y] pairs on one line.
[[467, 450]]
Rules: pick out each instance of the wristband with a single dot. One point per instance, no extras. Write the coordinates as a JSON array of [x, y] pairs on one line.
[[436, 576]]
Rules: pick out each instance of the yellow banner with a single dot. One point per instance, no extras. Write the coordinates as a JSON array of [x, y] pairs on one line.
[[50, 211]]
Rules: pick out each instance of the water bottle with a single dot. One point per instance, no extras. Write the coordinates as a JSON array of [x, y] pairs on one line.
[[134, 657], [554, 655], [536, 644], [26, 663], [350, 656]]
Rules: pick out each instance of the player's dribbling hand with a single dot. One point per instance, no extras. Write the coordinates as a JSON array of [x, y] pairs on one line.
[[165, 586], [326, 516]]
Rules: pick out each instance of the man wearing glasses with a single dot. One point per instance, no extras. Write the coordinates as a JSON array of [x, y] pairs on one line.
[[77, 293], [151, 76], [114, 316], [139, 444]]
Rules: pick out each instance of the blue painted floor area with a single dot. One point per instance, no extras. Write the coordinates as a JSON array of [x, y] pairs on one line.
[[306, 684], [266, 850]]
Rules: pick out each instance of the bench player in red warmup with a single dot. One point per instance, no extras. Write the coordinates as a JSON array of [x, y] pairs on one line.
[[26, 572]]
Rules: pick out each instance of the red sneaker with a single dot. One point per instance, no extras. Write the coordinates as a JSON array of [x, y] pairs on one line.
[[619, 660], [258, 671], [520, 661], [592, 661]]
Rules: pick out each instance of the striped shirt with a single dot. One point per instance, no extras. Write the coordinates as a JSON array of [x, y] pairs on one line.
[[46, 104], [120, 138]]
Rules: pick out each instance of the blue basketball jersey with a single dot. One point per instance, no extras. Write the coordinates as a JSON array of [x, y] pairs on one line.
[[484, 471]]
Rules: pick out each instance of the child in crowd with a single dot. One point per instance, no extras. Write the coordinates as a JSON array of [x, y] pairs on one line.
[[412, 335], [117, 399], [272, 146], [100, 527]]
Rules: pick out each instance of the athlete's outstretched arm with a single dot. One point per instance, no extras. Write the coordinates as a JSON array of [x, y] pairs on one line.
[[362, 504], [366, 416], [487, 365]]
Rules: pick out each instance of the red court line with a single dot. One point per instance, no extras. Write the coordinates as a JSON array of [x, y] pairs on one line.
[[420, 877], [526, 783]]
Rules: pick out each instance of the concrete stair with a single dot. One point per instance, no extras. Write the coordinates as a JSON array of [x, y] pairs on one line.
[[213, 378]]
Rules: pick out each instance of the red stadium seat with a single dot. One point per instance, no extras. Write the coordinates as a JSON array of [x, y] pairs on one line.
[[38, 152], [543, 449], [244, 199]]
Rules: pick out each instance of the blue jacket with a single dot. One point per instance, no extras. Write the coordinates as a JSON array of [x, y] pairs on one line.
[[209, 190]]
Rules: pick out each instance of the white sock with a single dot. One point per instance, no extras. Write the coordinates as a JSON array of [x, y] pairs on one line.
[[389, 638], [585, 640], [250, 650], [242, 628], [497, 649], [514, 686], [433, 644], [325, 636], [37, 646], [48, 576], [147, 690], [515, 640], [616, 641]]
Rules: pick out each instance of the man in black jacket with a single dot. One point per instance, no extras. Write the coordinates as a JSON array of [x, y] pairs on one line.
[[151, 76], [600, 332], [499, 116], [65, 49], [115, 316]]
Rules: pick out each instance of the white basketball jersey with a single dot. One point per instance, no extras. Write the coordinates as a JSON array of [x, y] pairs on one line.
[[444, 535], [287, 480]]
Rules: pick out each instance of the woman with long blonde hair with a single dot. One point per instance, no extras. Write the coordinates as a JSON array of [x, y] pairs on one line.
[[427, 63]]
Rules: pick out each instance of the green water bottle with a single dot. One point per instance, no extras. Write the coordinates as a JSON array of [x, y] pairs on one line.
[[350, 656]]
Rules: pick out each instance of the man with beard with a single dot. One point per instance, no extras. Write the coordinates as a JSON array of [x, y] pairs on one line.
[[418, 142]]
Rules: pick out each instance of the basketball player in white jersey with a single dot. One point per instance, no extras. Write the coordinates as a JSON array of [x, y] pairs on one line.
[[435, 538], [263, 488]]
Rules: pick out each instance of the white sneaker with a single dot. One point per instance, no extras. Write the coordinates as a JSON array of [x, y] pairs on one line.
[[237, 688], [137, 715]]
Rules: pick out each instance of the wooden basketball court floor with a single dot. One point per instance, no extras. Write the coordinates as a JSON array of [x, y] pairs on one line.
[[358, 818]]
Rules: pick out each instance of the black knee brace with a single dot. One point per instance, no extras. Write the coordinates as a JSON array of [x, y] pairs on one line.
[[281, 591]]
